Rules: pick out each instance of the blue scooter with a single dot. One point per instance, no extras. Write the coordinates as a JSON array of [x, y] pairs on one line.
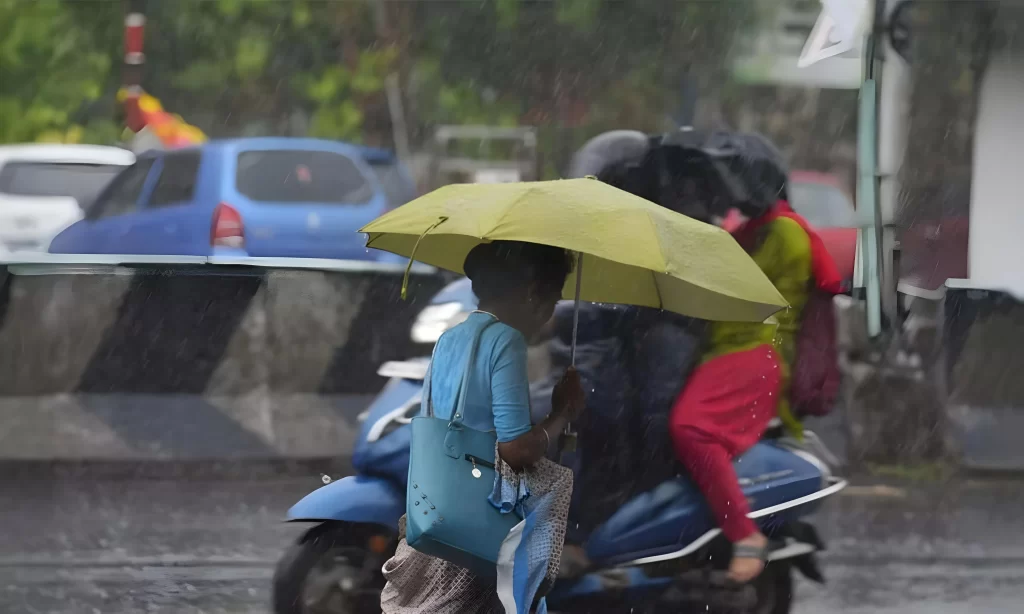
[[660, 552]]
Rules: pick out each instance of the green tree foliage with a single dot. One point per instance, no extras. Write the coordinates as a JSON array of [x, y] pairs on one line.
[[234, 64], [571, 67], [51, 68], [314, 67], [572, 60], [950, 48]]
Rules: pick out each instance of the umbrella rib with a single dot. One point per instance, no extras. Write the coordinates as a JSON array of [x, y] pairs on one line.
[[509, 209], [664, 262], [657, 289], [661, 252]]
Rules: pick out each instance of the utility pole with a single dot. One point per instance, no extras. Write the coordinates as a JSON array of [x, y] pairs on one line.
[[392, 86], [869, 209], [881, 146], [687, 113], [842, 26], [893, 125], [134, 33]]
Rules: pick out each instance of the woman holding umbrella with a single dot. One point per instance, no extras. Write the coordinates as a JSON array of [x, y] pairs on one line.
[[517, 285]]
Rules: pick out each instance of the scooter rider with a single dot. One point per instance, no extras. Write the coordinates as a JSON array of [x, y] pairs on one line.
[[632, 361], [742, 382]]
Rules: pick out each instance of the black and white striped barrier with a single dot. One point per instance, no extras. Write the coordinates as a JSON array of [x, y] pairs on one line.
[[106, 357]]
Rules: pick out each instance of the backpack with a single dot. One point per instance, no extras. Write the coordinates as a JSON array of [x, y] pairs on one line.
[[815, 376]]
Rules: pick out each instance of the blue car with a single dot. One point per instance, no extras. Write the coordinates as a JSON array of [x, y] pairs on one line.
[[255, 197]]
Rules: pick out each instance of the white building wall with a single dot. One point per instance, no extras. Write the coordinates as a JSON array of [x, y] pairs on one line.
[[996, 252]]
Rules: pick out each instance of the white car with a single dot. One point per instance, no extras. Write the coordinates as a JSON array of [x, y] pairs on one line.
[[45, 188]]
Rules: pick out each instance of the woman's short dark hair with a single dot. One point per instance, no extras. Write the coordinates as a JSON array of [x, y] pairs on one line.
[[502, 268]]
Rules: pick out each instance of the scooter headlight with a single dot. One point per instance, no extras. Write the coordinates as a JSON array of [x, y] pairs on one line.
[[434, 320]]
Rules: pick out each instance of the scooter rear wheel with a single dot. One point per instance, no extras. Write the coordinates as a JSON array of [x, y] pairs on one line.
[[774, 590], [710, 592], [330, 571]]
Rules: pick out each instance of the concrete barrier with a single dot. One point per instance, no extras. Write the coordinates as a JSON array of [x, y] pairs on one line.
[[984, 350], [195, 360]]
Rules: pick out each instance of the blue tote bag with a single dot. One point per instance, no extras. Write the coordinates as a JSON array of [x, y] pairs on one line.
[[451, 476]]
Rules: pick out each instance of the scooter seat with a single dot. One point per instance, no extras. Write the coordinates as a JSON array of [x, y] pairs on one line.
[[671, 516]]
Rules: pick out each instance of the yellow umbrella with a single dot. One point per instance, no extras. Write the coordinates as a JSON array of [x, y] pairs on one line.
[[630, 250]]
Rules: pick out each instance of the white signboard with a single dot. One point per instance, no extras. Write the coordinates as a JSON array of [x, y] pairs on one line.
[[495, 175], [774, 51], [840, 28]]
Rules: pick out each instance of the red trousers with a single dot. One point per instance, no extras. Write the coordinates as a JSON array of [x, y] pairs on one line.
[[723, 411]]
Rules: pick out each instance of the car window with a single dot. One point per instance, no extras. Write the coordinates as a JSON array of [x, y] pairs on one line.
[[79, 181], [123, 192], [397, 188], [823, 205], [177, 181], [297, 176]]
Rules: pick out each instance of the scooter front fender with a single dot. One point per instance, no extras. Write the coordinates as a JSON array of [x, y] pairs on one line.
[[357, 498]]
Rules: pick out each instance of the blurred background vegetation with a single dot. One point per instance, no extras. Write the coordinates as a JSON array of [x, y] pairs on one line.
[[572, 68]]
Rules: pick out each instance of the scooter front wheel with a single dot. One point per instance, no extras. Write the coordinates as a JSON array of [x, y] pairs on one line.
[[333, 569]]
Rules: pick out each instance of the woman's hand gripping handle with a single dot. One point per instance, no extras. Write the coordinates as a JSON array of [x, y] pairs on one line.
[[568, 400], [567, 403]]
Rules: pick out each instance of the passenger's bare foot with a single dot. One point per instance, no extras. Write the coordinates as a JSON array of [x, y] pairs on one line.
[[748, 558]]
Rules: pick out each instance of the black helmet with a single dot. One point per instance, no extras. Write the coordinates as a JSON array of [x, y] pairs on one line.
[[705, 174], [700, 174], [756, 163]]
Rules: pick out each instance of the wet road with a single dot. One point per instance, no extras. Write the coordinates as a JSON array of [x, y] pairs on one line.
[[176, 546]]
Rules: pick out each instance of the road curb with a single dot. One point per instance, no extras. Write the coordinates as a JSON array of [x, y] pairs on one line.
[[245, 469], [130, 561]]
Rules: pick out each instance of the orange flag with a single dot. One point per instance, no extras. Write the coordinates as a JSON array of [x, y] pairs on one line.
[[145, 111]]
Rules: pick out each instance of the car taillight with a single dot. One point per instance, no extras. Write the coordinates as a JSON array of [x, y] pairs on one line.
[[227, 229]]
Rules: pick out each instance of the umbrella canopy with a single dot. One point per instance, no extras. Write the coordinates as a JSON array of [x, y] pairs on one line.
[[632, 251]]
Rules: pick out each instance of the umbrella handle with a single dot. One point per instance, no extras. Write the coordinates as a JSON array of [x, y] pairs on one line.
[[569, 435], [576, 307], [412, 256]]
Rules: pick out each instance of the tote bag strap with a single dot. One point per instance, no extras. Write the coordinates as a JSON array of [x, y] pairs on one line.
[[426, 406], [460, 402], [458, 414]]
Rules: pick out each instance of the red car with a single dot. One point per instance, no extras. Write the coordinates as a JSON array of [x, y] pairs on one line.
[[822, 201]]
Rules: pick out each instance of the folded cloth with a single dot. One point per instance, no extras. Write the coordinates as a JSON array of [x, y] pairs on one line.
[[531, 554]]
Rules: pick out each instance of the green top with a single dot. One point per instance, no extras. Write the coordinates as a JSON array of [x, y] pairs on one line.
[[784, 254]]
